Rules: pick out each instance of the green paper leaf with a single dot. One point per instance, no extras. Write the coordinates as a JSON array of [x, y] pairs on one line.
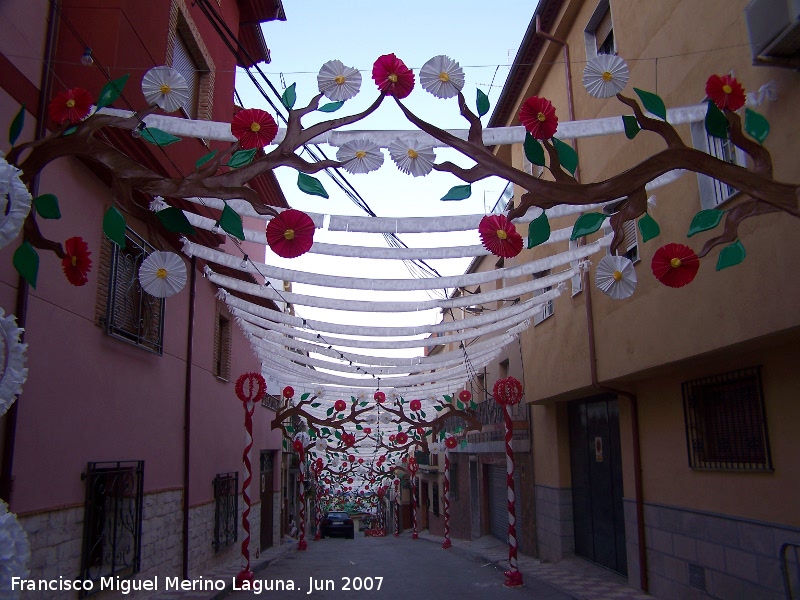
[[201, 161], [566, 155], [26, 262], [438, 408], [241, 158], [289, 429], [362, 404], [586, 224], [16, 126], [459, 192], [534, 151], [399, 428], [70, 131], [482, 103], [310, 185], [473, 405], [231, 222], [652, 103], [331, 107], [648, 228], [731, 255], [158, 137], [631, 126], [716, 123], [705, 220], [756, 125], [359, 427], [325, 431], [459, 405], [289, 96], [447, 398], [338, 435], [114, 226], [315, 405], [46, 206], [441, 435], [305, 396], [463, 443], [538, 230], [111, 91], [174, 220]]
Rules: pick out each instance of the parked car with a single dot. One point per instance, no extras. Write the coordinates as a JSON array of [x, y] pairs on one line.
[[337, 523]]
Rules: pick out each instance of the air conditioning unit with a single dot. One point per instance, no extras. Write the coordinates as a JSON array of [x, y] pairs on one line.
[[774, 30]]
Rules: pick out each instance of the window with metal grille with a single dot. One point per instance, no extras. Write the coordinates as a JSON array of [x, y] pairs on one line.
[[435, 498], [226, 509], [131, 314], [112, 523], [547, 309], [222, 347], [726, 426], [712, 191]]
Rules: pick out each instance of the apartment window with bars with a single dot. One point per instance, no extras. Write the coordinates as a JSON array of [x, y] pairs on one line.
[[222, 346], [714, 192], [226, 510], [435, 498], [599, 32], [112, 523], [187, 54], [726, 425], [547, 309]]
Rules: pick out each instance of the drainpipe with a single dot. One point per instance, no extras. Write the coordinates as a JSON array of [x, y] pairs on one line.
[[568, 74], [637, 458], [187, 414], [21, 312]]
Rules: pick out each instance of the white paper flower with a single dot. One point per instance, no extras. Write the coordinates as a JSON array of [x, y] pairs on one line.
[[362, 396], [321, 444], [433, 397], [319, 392], [411, 157], [605, 75], [337, 81], [435, 447], [166, 88], [15, 551], [392, 396], [303, 437], [15, 202], [162, 274], [385, 418], [371, 418], [615, 276], [12, 359], [360, 156], [442, 77]]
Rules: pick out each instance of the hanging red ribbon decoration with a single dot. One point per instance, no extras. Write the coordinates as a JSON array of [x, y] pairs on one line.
[[397, 508], [301, 491], [508, 392], [316, 467], [250, 388], [413, 468], [446, 544]]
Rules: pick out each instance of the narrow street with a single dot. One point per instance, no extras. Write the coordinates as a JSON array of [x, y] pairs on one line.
[[394, 568]]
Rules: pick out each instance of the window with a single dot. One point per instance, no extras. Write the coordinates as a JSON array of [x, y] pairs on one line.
[[130, 314], [183, 62], [222, 347], [187, 54], [576, 280], [713, 192], [547, 309], [112, 524], [629, 247], [435, 498], [503, 369], [726, 425], [599, 33], [226, 510]]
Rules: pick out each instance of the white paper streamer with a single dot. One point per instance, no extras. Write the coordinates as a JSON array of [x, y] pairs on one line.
[[12, 357], [15, 202], [15, 551]]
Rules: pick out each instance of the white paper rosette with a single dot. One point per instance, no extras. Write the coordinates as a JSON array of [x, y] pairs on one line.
[[605, 75], [15, 202], [12, 361], [442, 77], [435, 447], [319, 392], [360, 156], [337, 81], [385, 418], [412, 158], [321, 445], [392, 396], [370, 418], [615, 276], [15, 551], [433, 397], [166, 88], [162, 274]]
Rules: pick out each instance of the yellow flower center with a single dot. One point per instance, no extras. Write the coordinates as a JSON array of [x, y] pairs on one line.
[[393, 78], [617, 276], [255, 127], [74, 260], [165, 89], [727, 89], [288, 234], [502, 234], [70, 103], [607, 76], [541, 117], [444, 77], [675, 263], [360, 154], [339, 79], [412, 153], [161, 273]]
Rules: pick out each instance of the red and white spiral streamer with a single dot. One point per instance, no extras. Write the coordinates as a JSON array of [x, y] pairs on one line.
[[447, 543]]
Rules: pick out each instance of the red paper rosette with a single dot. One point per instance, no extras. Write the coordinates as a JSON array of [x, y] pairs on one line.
[[450, 442], [250, 387], [298, 446], [675, 265], [76, 263], [538, 116], [499, 236], [367, 430], [465, 395], [254, 128], [401, 438], [392, 77], [415, 405], [507, 391], [351, 458], [380, 397], [70, 105], [291, 233], [348, 439], [288, 392], [339, 405], [725, 92]]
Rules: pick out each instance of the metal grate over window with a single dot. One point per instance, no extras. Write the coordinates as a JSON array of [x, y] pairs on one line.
[[726, 426], [112, 526], [226, 499]]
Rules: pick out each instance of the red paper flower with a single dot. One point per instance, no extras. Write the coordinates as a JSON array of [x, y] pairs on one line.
[[70, 105], [392, 77], [298, 446], [367, 430], [451, 442], [725, 92], [415, 405], [291, 233], [465, 395], [675, 265], [401, 438], [250, 387], [361, 461], [348, 439], [254, 128], [340, 405], [288, 392], [392, 438], [351, 458], [539, 117], [380, 397], [421, 430], [499, 236], [349, 480], [76, 263], [507, 391]]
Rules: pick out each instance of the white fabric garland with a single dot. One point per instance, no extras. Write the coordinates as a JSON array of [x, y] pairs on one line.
[[12, 360], [15, 551], [13, 211]]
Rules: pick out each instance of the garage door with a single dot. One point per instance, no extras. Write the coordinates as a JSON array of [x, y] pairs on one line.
[[498, 502]]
